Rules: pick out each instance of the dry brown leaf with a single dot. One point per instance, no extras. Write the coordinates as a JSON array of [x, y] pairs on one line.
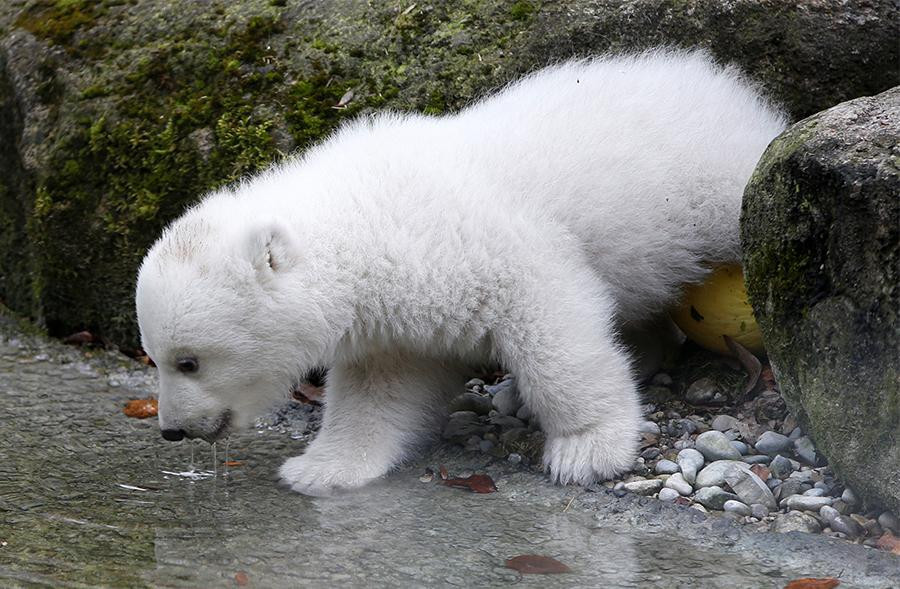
[[811, 583], [443, 470], [80, 338], [233, 463], [141, 408], [889, 543], [750, 362], [761, 471], [242, 579], [535, 564], [477, 483]]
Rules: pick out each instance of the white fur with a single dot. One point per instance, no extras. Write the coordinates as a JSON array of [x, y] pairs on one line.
[[527, 229]]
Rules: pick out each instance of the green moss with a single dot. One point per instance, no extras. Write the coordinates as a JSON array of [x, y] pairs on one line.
[[522, 10]]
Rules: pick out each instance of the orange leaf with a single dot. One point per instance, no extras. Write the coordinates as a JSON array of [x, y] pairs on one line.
[[811, 583], [141, 408], [477, 483], [890, 543], [443, 470], [241, 578], [233, 463], [760, 471], [534, 564], [80, 338]]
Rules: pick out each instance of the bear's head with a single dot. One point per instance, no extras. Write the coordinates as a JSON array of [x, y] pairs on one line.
[[226, 316]]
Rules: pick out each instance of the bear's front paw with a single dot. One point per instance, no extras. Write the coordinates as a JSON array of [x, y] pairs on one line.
[[588, 456], [321, 476]]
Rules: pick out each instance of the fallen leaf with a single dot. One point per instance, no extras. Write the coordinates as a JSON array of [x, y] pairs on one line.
[[760, 471], [648, 440], [308, 394], [241, 578], [345, 99], [889, 543], [443, 470], [682, 501], [534, 564], [768, 378], [233, 463], [141, 408], [750, 362], [80, 338], [811, 583], [477, 483]]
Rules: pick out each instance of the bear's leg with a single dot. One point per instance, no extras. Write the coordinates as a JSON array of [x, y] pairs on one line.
[[376, 414], [574, 375]]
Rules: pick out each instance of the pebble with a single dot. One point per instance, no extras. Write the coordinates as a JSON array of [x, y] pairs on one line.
[[690, 461], [462, 425], [715, 446], [648, 427], [704, 392], [828, 513], [645, 487], [772, 443], [737, 507], [514, 458], [781, 467], [724, 423], [740, 447], [796, 521], [806, 503], [756, 459], [713, 497], [849, 497], [507, 421], [804, 449], [676, 482], [750, 488], [846, 525], [524, 413], [667, 494], [683, 444], [650, 453], [474, 402], [505, 397], [814, 492], [667, 467], [889, 520], [475, 382], [714, 473], [795, 433], [485, 445], [662, 379], [759, 511]]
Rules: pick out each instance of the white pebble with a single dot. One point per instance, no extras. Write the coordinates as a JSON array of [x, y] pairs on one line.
[[737, 507], [667, 494]]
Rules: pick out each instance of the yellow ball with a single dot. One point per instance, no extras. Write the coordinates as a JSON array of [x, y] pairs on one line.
[[716, 307]]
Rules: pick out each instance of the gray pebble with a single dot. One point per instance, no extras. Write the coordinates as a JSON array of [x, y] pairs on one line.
[[846, 525], [713, 474], [485, 445], [648, 427], [759, 511], [524, 413], [814, 492], [796, 521], [661, 379], [474, 402], [795, 433], [683, 444], [806, 503], [462, 425], [772, 443], [514, 458], [690, 461], [849, 497], [505, 397], [804, 449], [667, 467], [713, 497], [789, 487], [646, 487], [650, 453], [773, 483], [737, 507], [740, 447], [704, 392], [828, 513], [889, 520], [781, 467], [750, 488], [715, 446], [507, 421], [677, 483], [724, 423], [667, 494], [756, 459]]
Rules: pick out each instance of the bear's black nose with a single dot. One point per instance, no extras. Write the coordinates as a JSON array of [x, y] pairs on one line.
[[173, 435]]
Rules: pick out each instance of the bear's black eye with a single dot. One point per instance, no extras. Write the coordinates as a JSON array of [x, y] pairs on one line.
[[187, 364]]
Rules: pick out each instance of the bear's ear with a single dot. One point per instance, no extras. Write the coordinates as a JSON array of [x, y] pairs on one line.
[[271, 249]]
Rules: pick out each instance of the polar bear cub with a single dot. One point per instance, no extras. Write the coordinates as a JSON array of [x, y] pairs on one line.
[[527, 229]]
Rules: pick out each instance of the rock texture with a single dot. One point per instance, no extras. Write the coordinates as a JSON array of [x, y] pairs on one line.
[[115, 116], [821, 237]]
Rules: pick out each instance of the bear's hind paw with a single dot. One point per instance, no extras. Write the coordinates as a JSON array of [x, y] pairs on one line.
[[588, 456], [321, 478]]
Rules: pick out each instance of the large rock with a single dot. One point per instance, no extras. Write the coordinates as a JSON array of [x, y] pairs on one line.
[[820, 231], [115, 116]]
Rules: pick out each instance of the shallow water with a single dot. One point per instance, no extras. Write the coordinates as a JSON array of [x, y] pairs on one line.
[[85, 501]]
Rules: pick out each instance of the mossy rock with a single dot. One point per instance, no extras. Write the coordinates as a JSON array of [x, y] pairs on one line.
[[115, 115], [820, 231]]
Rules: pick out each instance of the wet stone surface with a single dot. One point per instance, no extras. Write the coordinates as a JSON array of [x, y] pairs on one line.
[[87, 499]]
